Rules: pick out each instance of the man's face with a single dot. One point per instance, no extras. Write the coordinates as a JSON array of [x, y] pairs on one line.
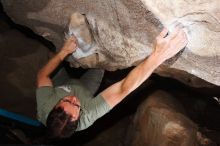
[[71, 106]]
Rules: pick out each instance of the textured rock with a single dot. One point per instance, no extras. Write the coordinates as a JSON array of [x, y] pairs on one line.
[[184, 77], [124, 30], [161, 120], [202, 21], [113, 136], [119, 27]]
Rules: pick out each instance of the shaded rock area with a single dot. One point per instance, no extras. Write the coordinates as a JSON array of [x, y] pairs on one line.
[[162, 120], [183, 76], [124, 30], [20, 57], [112, 136]]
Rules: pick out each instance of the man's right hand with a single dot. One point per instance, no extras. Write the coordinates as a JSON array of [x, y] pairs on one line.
[[69, 47], [43, 76], [169, 45]]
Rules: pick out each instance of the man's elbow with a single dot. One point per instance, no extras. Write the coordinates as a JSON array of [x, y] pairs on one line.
[[41, 75], [125, 89], [43, 80]]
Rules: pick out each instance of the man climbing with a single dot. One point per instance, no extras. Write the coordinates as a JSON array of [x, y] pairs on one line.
[[71, 107]]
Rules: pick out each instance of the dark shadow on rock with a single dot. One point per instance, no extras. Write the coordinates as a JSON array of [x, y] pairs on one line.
[[7, 22], [20, 59]]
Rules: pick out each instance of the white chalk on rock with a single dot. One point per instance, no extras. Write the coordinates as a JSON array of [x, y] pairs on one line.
[[80, 54], [79, 28], [171, 26]]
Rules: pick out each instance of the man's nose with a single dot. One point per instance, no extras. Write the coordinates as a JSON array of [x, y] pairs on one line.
[[73, 99]]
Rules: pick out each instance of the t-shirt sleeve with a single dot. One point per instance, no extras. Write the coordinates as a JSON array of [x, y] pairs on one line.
[[43, 94], [93, 109]]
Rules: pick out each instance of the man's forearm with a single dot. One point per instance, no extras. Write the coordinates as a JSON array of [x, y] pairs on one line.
[[118, 91], [165, 48], [43, 76], [52, 64], [140, 73]]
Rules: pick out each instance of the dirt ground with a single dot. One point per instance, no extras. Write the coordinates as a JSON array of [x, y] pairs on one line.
[[20, 59]]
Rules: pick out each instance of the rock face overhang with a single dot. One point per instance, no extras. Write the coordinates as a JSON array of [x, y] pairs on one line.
[[124, 30]]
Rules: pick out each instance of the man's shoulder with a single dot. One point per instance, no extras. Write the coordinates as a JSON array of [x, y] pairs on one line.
[[44, 91], [47, 98], [92, 109]]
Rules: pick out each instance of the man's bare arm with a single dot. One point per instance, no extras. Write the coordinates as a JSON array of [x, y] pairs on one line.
[[166, 47], [43, 76]]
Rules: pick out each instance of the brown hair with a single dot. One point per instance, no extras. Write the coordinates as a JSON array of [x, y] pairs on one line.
[[60, 124]]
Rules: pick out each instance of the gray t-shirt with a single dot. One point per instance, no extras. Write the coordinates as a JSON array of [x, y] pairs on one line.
[[91, 108]]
